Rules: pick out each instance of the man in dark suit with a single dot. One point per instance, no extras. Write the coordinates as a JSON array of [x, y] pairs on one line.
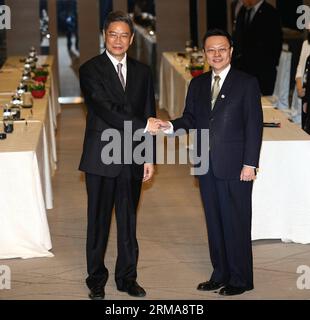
[[227, 102], [258, 42], [116, 89], [235, 7]]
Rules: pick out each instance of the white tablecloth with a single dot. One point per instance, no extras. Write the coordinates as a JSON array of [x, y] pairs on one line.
[[173, 84], [46, 109], [281, 196], [25, 179], [27, 163]]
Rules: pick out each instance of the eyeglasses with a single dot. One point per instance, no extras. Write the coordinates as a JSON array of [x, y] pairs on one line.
[[122, 36], [213, 51]]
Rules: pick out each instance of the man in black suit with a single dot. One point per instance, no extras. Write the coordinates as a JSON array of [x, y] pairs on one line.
[[258, 42], [116, 89], [235, 7], [227, 102]]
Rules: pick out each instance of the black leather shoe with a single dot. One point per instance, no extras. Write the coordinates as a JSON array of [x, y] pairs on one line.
[[133, 289], [96, 293], [232, 291], [209, 285]]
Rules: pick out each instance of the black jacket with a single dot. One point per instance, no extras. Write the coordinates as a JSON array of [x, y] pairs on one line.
[[235, 124], [109, 106], [258, 47]]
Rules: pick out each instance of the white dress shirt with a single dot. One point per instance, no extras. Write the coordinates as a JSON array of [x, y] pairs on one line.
[[305, 52], [116, 62], [223, 74]]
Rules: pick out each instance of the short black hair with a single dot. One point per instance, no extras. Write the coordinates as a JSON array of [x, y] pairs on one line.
[[118, 16], [218, 32]]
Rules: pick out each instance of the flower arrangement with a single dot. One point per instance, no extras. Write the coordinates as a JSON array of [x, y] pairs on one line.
[[196, 69], [40, 74], [37, 89]]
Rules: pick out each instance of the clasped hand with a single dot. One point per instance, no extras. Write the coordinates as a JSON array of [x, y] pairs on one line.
[[155, 125]]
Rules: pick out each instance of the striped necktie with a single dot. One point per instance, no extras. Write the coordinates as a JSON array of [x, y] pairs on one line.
[[120, 75], [215, 90]]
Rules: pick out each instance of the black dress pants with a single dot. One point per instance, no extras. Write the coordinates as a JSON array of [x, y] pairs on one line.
[[103, 193], [227, 206]]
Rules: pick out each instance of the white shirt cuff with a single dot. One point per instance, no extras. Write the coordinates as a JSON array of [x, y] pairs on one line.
[[146, 128], [245, 165], [166, 131]]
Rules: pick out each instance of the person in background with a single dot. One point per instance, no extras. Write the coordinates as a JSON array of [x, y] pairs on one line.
[[236, 5], [72, 31], [258, 42], [302, 79]]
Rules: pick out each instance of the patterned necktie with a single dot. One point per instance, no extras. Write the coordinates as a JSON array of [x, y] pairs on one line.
[[120, 75], [215, 90]]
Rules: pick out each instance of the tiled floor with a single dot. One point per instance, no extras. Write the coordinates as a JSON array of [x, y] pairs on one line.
[[172, 236]]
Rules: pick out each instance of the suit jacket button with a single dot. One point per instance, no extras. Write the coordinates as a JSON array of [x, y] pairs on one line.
[[211, 119]]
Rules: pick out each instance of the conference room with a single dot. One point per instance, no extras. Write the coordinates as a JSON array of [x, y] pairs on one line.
[[71, 69]]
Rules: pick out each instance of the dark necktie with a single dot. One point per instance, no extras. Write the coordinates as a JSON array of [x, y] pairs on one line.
[[248, 16], [120, 75]]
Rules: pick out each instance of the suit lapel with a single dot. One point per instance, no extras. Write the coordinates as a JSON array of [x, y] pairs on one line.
[[257, 14], [130, 76], [224, 92], [206, 93]]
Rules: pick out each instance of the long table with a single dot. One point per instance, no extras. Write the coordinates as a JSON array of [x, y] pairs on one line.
[[281, 200], [27, 162]]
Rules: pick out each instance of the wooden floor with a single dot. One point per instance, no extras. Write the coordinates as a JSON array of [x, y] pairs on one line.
[[172, 237]]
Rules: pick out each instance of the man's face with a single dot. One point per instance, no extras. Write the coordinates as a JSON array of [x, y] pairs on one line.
[[250, 3], [118, 38], [218, 52]]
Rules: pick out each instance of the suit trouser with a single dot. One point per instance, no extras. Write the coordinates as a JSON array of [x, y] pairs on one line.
[[227, 206], [103, 193]]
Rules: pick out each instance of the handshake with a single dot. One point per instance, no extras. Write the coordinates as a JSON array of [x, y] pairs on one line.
[[155, 125]]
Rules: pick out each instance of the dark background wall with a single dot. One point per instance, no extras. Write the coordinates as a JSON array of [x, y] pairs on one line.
[[288, 13], [217, 14]]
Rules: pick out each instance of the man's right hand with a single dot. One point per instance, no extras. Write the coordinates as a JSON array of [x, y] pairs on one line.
[[164, 125], [301, 92], [154, 125], [305, 107]]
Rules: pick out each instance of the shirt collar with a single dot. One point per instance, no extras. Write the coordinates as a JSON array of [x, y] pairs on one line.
[[222, 74], [115, 61]]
